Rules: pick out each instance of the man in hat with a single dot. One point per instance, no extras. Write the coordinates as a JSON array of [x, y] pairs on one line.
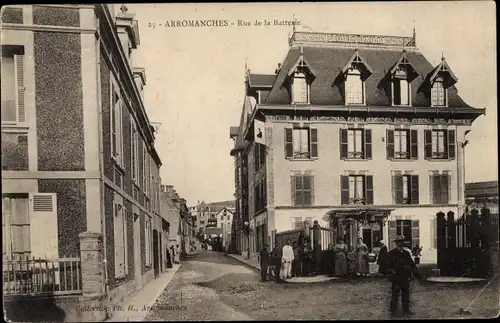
[[400, 269]]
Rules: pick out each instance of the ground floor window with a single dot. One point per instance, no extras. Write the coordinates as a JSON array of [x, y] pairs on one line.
[[16, 242]]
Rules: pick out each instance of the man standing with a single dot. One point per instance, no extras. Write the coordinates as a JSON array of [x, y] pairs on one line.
[[382, 259], [297, 262], [287, 260], [264, 262], [276, 256], [400, 269]]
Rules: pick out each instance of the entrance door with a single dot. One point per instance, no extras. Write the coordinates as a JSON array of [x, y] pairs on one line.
[[137, 251], [156, 259], [368, 238]]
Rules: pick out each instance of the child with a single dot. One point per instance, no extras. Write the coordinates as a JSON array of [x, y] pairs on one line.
[[351, 262]]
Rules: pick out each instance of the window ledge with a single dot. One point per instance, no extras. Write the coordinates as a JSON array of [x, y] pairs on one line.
[[402, 159], [356, 159], [401, 105], [302, 159], [439, 159], [20, 127]]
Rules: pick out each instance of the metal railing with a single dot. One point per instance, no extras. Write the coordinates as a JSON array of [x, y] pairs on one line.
[[30, 276]]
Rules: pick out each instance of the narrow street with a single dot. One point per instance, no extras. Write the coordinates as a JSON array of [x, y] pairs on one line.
[[214, 287]]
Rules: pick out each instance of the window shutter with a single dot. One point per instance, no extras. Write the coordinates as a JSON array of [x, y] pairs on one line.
[[118, 239], [311, 182], [44, 225], [288, 143], [124, 229], [398, 181], [344, 186], [392, 233], [414, 144], [113, 128], [292, 181], [445, 188], [451, 144], [415, 233], [369, 189], [390, 144], [19, 72], [368, 143], [414, 189], [434, 235], [343, 143], [428, 143], [436, 189], [314, 142]]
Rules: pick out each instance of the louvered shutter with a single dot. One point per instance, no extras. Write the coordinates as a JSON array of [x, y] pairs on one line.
[[132, 151], [451, 144], [44, 226], [444, 188], [436, 189], [415, 233], [311, 182], [428, 143], [344, 187], [292, 181], [20, 90], [368, 144], [369, 189], [390, 144], [113, 117], [414, 189], [288, 142], [398, 188], [314, 143], [414, 144], [392, 233], [343, 143], [118, 238]]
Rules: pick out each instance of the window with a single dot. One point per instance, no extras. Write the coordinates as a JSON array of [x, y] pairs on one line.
[[403, 227], [116, 125], [356, 189], [298, 223], [260, 195], [302, 190], [134, 150], [354, 87], [440, 188], [301, 143], [402, 144], [12, 93], [405, 189], [300, 93], [259, 156], [149, 241], [355, 143], [16, 242], [120, 237], [438, 94], [146, 167], [440, 144], [400, 89]]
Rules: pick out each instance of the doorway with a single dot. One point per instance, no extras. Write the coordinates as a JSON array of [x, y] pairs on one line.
[[137, 251], [156, 260]]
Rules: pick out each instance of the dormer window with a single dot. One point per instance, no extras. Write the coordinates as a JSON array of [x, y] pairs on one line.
[[438, 94], [300, 77], [355, 72], [402, 74], [300, 92]]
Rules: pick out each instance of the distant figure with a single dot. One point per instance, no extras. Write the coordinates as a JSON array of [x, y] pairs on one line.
[[382, 259], [169, 259], [297, 260], [276, 256], [362, 257], [265, 259], [286, 260], [178, 255], [308, 257], [400, 269], [341, 258]]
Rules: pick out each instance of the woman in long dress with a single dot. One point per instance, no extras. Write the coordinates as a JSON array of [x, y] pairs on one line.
[[362, 253], [340, 258]]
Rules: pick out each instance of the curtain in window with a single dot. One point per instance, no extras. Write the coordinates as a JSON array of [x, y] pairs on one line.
[[437, 93], [354, 88], [300, 88], [401, 141], [404, 92]]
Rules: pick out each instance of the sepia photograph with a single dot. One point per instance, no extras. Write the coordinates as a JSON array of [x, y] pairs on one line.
[[249, 161]]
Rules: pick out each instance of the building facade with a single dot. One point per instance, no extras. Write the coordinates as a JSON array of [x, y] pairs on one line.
[[360, 133], [177, 215], [482, 194], [78, 149]]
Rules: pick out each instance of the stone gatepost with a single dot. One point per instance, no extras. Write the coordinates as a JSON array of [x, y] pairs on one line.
[[92, 302]]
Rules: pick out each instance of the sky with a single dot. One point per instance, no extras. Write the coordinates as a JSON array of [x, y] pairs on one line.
[[195, 75]]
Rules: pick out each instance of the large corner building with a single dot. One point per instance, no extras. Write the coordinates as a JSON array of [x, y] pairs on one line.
[[360, 133]]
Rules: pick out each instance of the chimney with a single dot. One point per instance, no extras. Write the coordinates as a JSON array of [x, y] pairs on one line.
[[128, 30]]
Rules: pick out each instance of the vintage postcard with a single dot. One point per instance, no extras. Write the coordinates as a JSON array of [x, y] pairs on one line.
[[249, 161]]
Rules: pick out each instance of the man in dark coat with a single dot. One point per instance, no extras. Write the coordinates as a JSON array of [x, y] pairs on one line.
[[276, 256], [382, 259], [265, 258], [400, 269], [297, 261]]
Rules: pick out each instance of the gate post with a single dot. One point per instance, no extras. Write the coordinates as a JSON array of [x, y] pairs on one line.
[[474, 238], [441, 242]]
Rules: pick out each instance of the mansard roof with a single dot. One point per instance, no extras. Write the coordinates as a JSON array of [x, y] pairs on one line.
[[443, 70], [261, 80], [328, 62]]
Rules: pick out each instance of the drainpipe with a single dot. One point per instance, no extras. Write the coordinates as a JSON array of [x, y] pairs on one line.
[[101, 156]]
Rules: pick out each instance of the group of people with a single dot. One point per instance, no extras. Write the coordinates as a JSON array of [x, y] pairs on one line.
[[173, 255]]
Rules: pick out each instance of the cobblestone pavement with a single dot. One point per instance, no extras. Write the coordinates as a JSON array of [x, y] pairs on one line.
[[214, 287]]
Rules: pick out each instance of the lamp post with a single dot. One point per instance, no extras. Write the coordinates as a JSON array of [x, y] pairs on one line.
[[246, 227]]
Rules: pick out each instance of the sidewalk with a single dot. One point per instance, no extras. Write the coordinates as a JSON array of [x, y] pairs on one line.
[[136, 307]]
